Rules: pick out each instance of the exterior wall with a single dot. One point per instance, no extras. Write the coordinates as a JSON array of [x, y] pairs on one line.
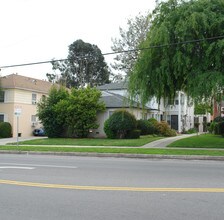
[[181, 109], [16, 99]]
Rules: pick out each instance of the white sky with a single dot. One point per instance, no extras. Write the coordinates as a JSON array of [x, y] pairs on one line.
[[40, 30]]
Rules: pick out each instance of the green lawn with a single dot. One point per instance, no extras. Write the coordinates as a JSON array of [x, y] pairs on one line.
[[115, 150], [93, 141], [200, 141]]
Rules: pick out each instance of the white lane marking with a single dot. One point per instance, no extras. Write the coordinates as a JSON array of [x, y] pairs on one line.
[[39, 165], [13, 167]]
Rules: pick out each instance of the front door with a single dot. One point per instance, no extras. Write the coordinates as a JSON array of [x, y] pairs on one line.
[[174, 122]]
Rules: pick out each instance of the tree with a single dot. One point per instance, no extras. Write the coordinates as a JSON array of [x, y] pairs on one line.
[[80, 110], [69, 114], [85, 65], [53, 123], [130, 39], [202, 108], [184, 51]]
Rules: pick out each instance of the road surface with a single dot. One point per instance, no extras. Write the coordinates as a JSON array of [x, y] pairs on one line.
[[84, 188]]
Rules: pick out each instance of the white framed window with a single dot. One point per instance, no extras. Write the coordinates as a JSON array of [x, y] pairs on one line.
[[34, 98]]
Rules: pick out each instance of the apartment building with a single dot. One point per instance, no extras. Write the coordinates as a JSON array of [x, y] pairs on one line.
[[19, 96]]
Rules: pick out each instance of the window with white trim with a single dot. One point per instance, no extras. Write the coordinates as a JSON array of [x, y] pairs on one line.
[[34, 98]]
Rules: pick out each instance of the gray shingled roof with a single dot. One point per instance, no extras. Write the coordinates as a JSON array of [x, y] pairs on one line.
[[114, 86], [112, 100]]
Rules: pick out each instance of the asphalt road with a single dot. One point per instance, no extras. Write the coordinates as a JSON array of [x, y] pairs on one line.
[[50, 187]]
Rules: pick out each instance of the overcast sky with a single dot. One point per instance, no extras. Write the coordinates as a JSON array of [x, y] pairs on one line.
[[40, 30]]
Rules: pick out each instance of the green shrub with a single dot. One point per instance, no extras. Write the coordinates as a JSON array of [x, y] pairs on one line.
[[144, 126], [134, 134], [119, 124], [5, 130], [191, 131], [221, 128], [170, 133], [109, 131], [153, 126], [219, 119], [211, 128], [216, 129], [165, 130]]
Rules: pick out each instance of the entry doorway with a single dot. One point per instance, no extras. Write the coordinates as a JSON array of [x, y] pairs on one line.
[[174, 122]]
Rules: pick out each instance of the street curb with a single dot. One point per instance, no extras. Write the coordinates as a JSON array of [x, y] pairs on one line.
[[121, 155]]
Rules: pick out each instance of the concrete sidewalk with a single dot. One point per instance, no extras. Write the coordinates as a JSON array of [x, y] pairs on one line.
[[162, 143], [4, 141]]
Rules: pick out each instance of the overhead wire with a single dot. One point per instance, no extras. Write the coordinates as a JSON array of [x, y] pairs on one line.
[[118, 52]]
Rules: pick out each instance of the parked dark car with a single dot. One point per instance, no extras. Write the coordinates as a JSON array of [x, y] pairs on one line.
[[39, 132]]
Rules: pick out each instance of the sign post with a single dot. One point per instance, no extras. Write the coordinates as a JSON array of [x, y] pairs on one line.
[[17, 112]]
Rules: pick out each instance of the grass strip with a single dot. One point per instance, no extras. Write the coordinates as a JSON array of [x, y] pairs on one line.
[[201, 141], [93, 141], [115, 150]]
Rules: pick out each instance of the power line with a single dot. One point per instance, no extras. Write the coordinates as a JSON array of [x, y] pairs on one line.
[[118, 52]]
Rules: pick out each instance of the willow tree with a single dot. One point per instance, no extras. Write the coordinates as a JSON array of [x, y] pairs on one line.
[[184, 50]]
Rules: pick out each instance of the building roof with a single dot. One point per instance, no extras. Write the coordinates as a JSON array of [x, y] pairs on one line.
[[114, 86], [112, 100], [15, 81]]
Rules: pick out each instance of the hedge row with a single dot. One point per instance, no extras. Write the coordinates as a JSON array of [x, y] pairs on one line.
[[123, 124]]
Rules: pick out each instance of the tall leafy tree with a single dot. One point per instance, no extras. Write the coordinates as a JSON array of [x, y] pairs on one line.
[[66, 114], [81, 110], [129, 40], [53, 124], [85, 65], [185, 51]]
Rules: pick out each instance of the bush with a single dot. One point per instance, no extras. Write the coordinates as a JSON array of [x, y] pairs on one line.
[[153, 126], [211, 128], [165, 130], [144, 126], [119, 124], [134, 134], [5, 130], [170, 133], [109, 132], [221, 128], [216, 129], [219, 119], [191, 131]]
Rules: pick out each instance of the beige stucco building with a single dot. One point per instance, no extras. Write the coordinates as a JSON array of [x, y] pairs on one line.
[[18, 102]]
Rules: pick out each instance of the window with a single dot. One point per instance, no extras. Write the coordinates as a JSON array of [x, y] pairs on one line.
[[144, 116], [2, 96], [34, 98], [111, 113], [33, 118], [1, 118], [176, 102], [168, 119]]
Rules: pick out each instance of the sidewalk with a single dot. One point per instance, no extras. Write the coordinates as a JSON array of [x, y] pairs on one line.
[[5, 141], [162, 143]]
